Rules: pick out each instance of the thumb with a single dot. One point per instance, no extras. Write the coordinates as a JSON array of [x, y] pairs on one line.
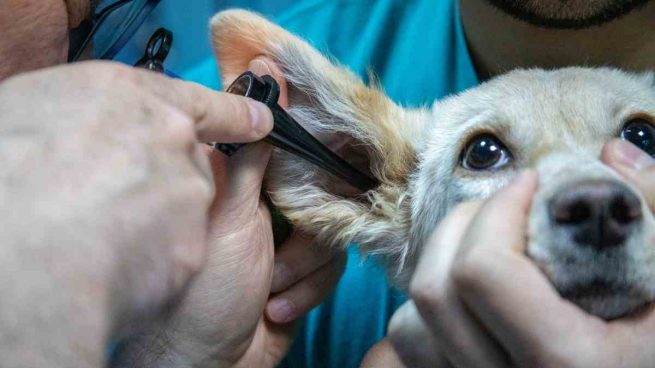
[[505, 214], [249, 167], [634, 164], [242, 181], [239, 183]]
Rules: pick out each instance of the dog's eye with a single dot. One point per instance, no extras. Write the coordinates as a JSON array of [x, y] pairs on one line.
[[485, 152], [640, 133]]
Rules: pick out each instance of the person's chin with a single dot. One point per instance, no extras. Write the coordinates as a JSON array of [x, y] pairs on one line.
[[546, 17]]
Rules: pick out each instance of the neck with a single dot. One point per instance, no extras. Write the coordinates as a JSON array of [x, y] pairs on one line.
[[499, 43]]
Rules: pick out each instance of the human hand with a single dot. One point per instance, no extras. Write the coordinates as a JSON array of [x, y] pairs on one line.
[[237, 311], [105, 192], [480, 302], [634, 165]]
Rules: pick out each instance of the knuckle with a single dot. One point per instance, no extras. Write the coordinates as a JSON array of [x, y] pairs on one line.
[[428, 295], [107, 72], [395, 329], [175, 125], [199, 105], [203, 189], [468, 270], [400, 322]]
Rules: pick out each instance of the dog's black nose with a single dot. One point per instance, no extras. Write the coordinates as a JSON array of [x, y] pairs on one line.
[[598, 213]]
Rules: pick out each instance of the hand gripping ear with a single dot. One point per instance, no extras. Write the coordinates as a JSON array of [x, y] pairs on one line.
[[353, 118]]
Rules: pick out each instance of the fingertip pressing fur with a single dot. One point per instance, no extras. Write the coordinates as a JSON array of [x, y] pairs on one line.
[[329, 100]]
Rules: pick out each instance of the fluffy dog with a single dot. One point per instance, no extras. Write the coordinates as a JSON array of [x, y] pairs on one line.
[[590, 231]]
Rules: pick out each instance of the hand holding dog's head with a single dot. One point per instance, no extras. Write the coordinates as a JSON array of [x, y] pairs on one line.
[[467, 147]]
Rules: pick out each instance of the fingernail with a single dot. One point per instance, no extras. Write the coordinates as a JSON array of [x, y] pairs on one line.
[[280, 310], [261, 119], [281, 276], [631, 156]]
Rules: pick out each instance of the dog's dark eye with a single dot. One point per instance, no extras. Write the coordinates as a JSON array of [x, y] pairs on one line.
[[640, 133], [485, 152]]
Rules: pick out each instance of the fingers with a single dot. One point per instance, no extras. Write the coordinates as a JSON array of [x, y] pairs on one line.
[[463, 340], [503, 288], [634, 164], [307, 293], [224, 117], [405, 329], [218, 116], [296, 258], [382, 354], [303, 275], [520, 308], [504, 213]]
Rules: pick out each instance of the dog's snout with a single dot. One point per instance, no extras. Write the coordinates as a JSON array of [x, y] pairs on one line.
[[598, 213]]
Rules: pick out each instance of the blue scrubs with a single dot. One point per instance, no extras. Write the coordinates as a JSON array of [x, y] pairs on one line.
[[418, 50]]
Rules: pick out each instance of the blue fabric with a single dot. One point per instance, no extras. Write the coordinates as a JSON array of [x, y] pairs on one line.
[[418, 51]]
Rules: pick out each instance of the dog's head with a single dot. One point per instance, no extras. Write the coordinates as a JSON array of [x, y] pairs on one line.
[[590, 231]]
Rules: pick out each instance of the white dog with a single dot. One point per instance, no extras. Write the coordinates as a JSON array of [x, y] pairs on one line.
[[590, 231]]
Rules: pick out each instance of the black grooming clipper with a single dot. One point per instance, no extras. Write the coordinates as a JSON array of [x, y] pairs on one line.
[[290, 136]]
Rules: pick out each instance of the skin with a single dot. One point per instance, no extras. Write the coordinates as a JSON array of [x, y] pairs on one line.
[[499, 42], [92, 286]]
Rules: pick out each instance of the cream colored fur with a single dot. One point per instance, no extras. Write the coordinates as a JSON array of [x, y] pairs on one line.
[[554, 121]]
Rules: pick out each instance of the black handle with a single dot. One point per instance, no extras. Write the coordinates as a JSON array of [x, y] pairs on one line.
[[290, 136]]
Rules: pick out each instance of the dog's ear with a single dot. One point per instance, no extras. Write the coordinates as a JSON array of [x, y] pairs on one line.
[[336, 105]]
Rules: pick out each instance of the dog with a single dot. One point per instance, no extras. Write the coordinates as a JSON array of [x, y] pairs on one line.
[[590, 231]]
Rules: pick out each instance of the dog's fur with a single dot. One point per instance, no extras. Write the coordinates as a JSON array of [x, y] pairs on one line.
[[553, 121]]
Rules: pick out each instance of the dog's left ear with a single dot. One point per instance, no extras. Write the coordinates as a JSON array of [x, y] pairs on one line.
[[331, 102]]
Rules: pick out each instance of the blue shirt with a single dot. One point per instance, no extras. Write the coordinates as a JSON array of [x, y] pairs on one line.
[[418, 51]]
